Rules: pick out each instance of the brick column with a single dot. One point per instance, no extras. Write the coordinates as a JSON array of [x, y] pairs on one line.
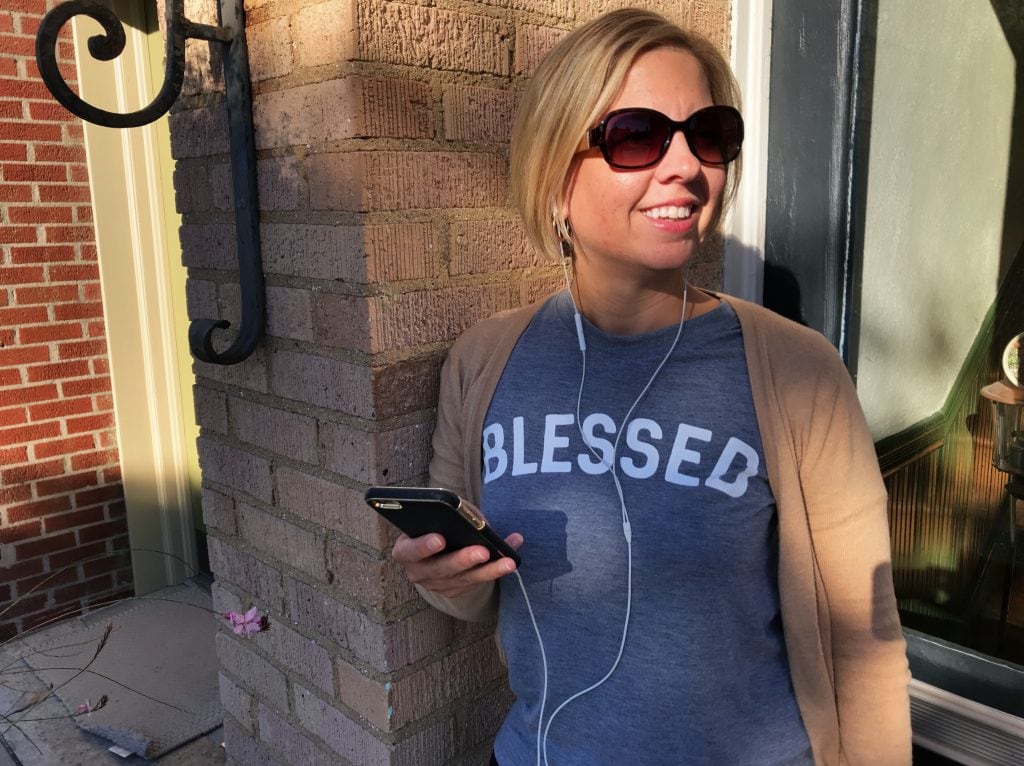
[[382, 130], [61, 499]]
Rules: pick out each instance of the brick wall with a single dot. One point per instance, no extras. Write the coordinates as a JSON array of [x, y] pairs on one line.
[[382, 131], [61, 502]]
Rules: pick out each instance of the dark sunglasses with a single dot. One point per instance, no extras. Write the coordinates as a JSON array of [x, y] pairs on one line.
[[638, 138]]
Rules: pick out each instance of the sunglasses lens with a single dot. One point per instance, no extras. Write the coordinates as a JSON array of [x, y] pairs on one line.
[[633, 139], [716, 134], [638, 138]]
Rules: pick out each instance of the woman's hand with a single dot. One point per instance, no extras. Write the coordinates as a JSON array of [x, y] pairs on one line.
[[450, 574]]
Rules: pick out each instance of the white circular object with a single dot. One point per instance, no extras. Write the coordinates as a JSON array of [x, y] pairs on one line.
[[1011, 360]]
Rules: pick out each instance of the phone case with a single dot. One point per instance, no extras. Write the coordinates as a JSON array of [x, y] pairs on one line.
[[420, 510]]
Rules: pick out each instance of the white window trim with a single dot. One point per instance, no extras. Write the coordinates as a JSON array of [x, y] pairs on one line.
[[745, 225]]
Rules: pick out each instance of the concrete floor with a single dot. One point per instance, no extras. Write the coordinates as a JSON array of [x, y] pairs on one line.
[[52, 738], [56, 740]]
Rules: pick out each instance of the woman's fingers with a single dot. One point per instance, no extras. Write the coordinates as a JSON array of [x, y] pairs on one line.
[[409, 550], [450, 574]]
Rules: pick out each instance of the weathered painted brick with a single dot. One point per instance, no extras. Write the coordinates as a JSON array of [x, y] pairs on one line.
[[405, 320], [400, 251], [376, 253], [235, 468], [275, 430], [281, 185], [350, 107], [445, 681], [299, 654], [343, 735], [389, 457], [204, 67], [211, 408], [209, 246], [558, 8], [374, 582], [289, 544], [323, 111], [479, 114], [396, 109], [323, 382], [385, 647], [339, 622], [391, 705], [237, 702], [249, 573], [541, 285], [222, 193], [192, 188], [219, 511], [369, 697], [327, 31], [290, 741], [254, 673], [437, 743], [201, 298], [372, 181], [227, 600], [336, 181], [405, 387], [279, 180], [670, 9], [532, 44], [331, 506], [270, 49], [419, 636], [250, 373], [315, 251], [289, 312], [483, 247], [342, 321], [430, 316], [200, 12], [712, 19], [432, 38], [243, 749], [481, 719], [199, 132]]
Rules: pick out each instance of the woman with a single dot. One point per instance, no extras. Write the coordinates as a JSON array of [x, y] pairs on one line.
[[688, 477]]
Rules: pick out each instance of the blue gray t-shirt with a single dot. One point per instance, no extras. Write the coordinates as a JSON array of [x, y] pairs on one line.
[[704, 677]]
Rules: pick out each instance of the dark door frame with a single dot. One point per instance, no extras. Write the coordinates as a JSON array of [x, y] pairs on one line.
[[822, 67]]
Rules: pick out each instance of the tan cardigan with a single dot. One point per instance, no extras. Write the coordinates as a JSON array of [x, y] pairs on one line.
[[846, 651]]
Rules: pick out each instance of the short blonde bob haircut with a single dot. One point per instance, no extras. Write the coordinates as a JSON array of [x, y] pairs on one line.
[[569, 94]]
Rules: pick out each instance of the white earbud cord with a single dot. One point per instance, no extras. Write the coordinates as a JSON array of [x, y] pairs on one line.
[[542, 741]]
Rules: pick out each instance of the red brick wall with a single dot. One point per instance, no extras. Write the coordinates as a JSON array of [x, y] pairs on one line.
[[61, 501]]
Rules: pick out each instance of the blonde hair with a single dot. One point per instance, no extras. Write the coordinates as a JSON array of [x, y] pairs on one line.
[[571, 90]]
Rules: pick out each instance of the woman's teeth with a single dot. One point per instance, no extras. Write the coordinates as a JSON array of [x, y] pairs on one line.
[[669, 211]]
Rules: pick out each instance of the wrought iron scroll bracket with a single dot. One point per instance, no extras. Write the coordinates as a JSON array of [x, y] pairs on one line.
[[231, 36]]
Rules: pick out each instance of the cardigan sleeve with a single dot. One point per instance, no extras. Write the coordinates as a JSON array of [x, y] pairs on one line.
[[447, 469], [847, 513]]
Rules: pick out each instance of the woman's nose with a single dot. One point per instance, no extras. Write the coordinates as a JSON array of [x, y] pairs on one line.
[[679, 160]]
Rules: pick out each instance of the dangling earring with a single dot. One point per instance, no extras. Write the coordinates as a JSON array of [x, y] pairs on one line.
[[563, 230], [564, 234]]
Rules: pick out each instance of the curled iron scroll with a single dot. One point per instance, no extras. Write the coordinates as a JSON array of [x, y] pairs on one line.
[[109, 46]]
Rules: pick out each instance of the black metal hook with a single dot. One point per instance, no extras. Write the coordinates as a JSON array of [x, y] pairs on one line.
[[238, 90]]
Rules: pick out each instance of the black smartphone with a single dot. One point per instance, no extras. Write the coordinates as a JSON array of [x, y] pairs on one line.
[[421, 510]]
